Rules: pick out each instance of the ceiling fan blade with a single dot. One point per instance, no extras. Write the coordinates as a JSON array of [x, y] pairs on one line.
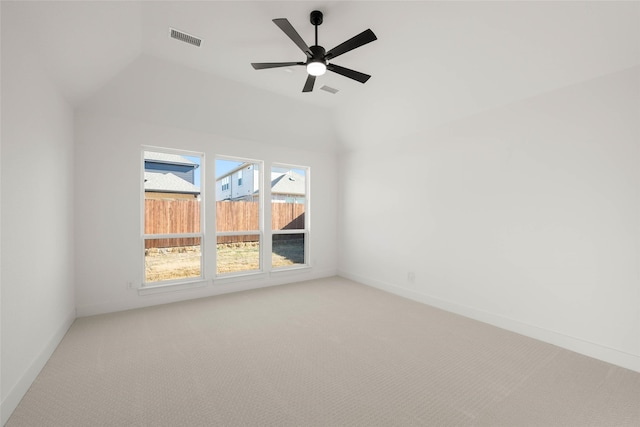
[[308, 86], [263, 65], [363, 38], [355, 75], [288, 29]]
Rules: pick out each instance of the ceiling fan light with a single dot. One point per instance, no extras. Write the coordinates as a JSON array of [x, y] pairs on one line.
[[316, 68]]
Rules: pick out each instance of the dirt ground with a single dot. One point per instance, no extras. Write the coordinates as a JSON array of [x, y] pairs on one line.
[[184, 262]]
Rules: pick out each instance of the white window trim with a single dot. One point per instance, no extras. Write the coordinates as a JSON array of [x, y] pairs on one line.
[[209, 275], [177, 284], [307, 221], [225, 277]]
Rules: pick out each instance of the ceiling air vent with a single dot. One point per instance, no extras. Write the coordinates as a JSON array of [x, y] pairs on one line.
[[329, 89], [184, 37]]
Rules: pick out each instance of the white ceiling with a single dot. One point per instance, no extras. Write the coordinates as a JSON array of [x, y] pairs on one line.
[[432, 62]]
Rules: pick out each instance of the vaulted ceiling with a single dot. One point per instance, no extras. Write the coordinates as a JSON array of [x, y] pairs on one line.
[[433, 61]]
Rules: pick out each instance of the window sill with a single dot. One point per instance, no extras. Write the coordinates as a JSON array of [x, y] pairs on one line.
[[292, 270], [171, 287], [240, 277]]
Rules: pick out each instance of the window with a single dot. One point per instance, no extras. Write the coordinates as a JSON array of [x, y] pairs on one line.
[[289, 220], [238, 218], [171, 215]]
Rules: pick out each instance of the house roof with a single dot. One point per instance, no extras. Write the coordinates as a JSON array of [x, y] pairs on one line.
[[289, 183], [173, 159], [168, 183]]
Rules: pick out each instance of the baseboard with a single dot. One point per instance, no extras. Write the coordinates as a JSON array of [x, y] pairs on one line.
[[18, 391], [597, 351], [238, 284]]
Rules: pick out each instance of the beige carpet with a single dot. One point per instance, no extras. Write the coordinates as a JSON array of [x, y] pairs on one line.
[[321, 353]]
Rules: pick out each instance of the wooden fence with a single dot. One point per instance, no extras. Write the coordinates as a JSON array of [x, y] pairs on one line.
[[183, 216], [169, 217]]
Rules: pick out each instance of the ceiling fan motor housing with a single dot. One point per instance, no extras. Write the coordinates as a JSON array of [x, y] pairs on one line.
[[317, 54], [316, 17]]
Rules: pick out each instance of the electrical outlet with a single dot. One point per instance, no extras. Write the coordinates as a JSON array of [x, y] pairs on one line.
[[129, 285], [411, 277]]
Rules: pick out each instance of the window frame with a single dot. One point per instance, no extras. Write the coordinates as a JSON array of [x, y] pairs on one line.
[[306, 231], [181, 282], [261, 223]]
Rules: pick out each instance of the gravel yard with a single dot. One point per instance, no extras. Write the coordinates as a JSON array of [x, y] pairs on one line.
[[184, 262]]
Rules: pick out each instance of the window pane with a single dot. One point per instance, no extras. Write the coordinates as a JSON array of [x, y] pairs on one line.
[[171, 193], [238, 253], [167, 215], [288, 249], [237, 196], [238, 210], [237, 180], [172, 206], [237, 216], [288, 196], [172, 259]]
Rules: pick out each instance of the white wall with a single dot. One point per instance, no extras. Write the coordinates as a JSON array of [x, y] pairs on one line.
[[37, 214], [169, 94], [526, 216], [184, 109]]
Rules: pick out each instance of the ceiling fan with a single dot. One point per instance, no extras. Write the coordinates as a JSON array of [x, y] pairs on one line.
[[317, 58]]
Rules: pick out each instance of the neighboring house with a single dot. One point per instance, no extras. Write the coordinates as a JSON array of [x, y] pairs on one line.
[[289, 187], [159, 185], [169, 175], [243, 183]]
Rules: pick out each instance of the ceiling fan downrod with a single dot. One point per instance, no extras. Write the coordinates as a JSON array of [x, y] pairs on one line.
[[316, 20]]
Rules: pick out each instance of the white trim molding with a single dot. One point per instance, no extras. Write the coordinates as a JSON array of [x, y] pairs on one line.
[[20, 388], [587, 348]]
